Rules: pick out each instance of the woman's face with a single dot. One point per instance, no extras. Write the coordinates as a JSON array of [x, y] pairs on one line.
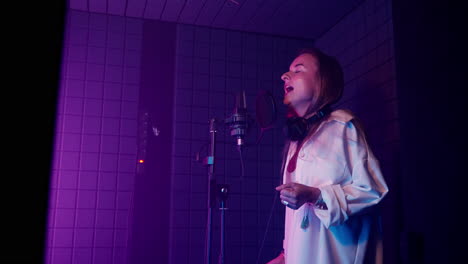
[[301, 83]]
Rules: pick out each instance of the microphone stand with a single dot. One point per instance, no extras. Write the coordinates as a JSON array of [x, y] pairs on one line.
[[223, 191], [214, 190], [238, 124]]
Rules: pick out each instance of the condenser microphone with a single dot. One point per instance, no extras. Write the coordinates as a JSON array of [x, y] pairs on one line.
[[238, 122]]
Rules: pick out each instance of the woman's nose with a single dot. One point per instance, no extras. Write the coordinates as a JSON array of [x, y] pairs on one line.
[[285, 77]]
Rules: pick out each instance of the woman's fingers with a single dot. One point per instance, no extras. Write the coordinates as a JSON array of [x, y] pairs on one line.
[[292, 206], [288, 192], [290, 202], [290, 185], [288, 199]]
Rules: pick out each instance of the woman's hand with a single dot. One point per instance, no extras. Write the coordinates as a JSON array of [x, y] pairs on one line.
[[278, 260], [294, 195]]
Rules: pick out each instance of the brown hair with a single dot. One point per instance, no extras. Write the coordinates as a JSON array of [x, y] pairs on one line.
[[331, 78]]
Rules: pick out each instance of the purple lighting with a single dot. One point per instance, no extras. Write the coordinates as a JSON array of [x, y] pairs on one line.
[[135, 101], [95, 145]]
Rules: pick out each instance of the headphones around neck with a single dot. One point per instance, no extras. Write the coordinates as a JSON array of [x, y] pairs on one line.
[[297, 127]]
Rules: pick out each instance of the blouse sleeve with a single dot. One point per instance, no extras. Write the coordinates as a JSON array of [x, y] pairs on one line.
[[366, 188]]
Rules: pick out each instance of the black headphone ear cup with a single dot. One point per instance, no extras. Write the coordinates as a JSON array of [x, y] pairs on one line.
[[296, 128]]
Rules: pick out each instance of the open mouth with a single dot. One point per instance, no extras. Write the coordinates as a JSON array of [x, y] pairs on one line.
[[289, 89]]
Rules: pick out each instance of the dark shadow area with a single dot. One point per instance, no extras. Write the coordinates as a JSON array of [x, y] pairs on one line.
[[374, 111], [34, 38], [149, 240], [431, 81]]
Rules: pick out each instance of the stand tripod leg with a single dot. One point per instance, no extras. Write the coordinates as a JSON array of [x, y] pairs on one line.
[[221, 254], [208, 237], [223, 191]]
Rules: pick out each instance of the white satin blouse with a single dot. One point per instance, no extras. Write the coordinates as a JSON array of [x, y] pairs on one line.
[[338, 161]]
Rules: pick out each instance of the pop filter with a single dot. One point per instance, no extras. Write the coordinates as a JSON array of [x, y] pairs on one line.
[[265, 111]]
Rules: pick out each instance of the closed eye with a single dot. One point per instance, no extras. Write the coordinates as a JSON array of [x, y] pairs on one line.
[[298, 67]]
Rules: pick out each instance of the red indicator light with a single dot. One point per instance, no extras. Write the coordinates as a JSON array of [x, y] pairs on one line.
[[141, 161]]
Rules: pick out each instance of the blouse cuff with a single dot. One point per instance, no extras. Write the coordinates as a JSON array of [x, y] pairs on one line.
[[335, 201]]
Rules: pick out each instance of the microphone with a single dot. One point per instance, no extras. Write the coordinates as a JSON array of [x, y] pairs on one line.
[[238, 121]]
